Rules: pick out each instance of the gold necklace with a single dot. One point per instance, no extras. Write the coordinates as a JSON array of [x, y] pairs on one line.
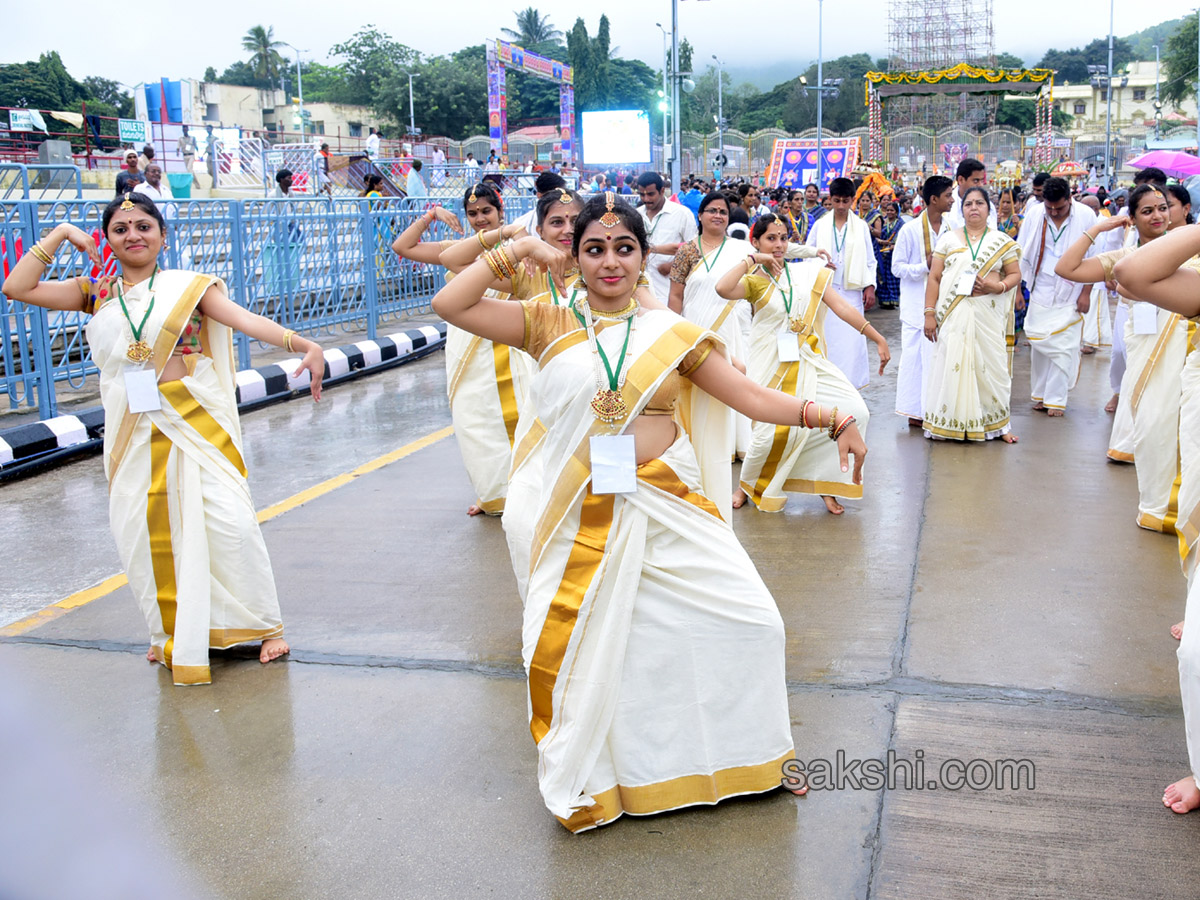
[[624, 312]]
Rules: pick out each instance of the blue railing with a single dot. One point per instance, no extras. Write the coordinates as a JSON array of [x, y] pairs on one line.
[[55, 182], [320, 266]]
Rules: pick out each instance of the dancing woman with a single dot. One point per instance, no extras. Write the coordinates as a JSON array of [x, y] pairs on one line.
[[1155, 346], [654, 652], [969, 306], [1165, 274], [485, 382], [787, 353], [179, 505]]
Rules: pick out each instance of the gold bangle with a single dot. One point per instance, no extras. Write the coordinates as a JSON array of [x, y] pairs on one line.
[[931, 309], [288, 334], [40, 254], [1089, 237], [479, 237], [833, 423], [491, 264], [863, 330]]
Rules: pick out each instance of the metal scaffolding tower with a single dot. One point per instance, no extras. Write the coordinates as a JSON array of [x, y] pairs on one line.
[[926, 35]]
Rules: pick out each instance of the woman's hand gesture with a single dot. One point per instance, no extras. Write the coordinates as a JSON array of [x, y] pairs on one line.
[[545, 258], [1109, 223], [447, 218], [770, 263], [885, 355], [851, 443], [314, 361], [81, 241]]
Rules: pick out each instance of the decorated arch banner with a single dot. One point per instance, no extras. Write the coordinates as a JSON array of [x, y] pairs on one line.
[[794, 161], [501, 56]]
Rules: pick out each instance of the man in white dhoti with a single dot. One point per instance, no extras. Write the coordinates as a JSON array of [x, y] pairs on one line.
[[911, 261], [1054, 322], [970, 173], [668, 225], [1097, 321], [847, 240]]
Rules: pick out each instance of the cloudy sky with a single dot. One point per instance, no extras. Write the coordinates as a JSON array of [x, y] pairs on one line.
[[180, 40]]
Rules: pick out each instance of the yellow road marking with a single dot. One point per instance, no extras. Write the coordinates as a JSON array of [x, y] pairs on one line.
[[115, 582]]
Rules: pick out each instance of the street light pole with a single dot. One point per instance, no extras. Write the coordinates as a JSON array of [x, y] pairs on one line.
[[1108, 174], [676, 123], [1157, 101], [666, 95], [299, 87], [412, 114], [820, 85], [720, 108]]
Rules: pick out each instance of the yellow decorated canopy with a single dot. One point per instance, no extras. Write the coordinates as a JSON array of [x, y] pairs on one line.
[[962, 78]]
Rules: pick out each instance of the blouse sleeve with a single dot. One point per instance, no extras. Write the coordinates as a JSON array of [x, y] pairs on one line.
[[1110, 258], [758, 290], [1012, 253], [944, 245], [694, 357], [685, 260], [544, 323]]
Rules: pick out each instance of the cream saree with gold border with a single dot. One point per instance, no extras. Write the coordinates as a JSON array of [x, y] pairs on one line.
[[1188, 528], [179, 505], [970, 383], [786, 459], [654, 652]]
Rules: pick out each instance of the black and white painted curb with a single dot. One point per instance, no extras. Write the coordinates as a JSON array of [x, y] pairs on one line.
[[42, 444]]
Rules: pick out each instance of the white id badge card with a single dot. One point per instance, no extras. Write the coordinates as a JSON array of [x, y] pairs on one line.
[[141, 389], [1145, 318], [966, 283], [789, 346], [614, 464]]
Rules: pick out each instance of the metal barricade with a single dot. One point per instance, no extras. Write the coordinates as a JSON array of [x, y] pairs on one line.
[[18, 181], [321, 266]]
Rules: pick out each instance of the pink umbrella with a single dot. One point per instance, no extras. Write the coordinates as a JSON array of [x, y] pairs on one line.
[[1173, 162]]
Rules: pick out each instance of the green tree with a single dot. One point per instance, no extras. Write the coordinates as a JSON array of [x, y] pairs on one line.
[[44, 84], [371, 59], [451, 99], [1071, 65], [1009, 61], [109, 93], [265, 59], [1179, 61], [532, 29]]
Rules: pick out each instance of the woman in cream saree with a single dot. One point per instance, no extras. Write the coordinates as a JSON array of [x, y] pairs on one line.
[[1164, 273], [969, 315], [179, 505], [790, 301], [1155, 347], [653, 651]]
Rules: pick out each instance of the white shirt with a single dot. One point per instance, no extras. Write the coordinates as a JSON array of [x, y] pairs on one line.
[[159, 194], [439, 156], [837, 253], [373, 145], [674, 224], [908, 264], [414, 185], [472, 163], [528, 221], [955, 216], [1046, 288]]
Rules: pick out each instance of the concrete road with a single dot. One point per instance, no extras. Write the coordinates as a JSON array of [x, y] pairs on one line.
[[981, 603]]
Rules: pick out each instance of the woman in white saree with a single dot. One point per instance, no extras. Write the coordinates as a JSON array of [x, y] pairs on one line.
[[654, 652], [969, 308], [486, 384], [1155, 347], [1166, 273], [697, 268], [179, 504], [789, 301]]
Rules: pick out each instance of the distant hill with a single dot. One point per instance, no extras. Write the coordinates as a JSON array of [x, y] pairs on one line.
[[1143, 42]]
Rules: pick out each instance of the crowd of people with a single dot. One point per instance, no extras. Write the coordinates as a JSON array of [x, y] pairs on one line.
[[607, 358]]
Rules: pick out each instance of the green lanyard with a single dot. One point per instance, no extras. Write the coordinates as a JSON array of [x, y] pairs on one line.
[[975, 250], [554, 292], [1060, 231], [703, 259], [836, 246], [613, 377], [137, 329], [787, 297]]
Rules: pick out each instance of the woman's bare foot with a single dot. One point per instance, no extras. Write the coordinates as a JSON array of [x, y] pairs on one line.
[[1055, 413], [1177, 631], [273, 649], [1111, 405], [1087, 351], [832, 505], [150, 657], [1039, 406], [1009, 438], [915, 423], [475, 510], [739, 498], [1183, 796]]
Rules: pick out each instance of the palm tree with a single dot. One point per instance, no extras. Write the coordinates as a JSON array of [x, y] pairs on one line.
[[265, 59], [532, 28]]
